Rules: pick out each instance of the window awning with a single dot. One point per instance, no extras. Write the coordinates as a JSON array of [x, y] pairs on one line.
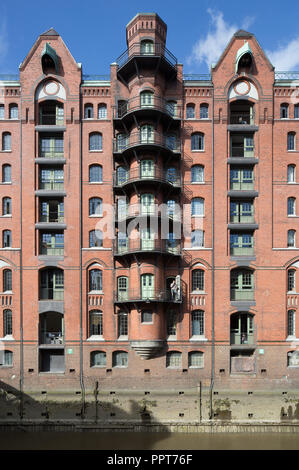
[[245, 49], [48, 50]]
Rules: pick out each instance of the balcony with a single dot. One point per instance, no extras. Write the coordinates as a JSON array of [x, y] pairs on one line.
[[51, 337], [47, 293], [153, 56], [139, 210], [49, 250], [51, 185], [242, 251], [150, 295], [241, 338], [148, 246], [51, 120], [153, 175], [241, 118], [154, 140], [151, 107], [242, 294]]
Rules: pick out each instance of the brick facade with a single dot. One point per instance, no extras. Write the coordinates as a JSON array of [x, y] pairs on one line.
[[216, 148]]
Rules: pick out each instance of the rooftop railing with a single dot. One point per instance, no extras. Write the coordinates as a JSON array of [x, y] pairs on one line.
[[152, 50]]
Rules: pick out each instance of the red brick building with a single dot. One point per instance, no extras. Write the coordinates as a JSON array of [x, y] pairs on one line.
[[149, 219]]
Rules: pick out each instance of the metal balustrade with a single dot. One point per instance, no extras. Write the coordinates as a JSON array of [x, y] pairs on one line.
[[151, 174], [162, 246], [150, 102], [51, 337], [148, 295], [241, 118], [154, 50], [242, 294], [51, 120], [152, 138]]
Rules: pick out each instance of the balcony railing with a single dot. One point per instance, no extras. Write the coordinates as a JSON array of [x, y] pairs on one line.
[[153, 102], [152, 139], [242, 219], [139, 174], [51, 337], [239, 152], [51, 218], [241, 118], [51, 153], [51, 120], [161, 246], [241, 338], [48, 250], [138, 49], [139, 210], [51, 185], [241, 251], [149, 295], [241, 185], [46, 293], [242, 294]]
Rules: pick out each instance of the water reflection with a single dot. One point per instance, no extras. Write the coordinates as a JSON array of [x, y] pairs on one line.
[[147, 441]]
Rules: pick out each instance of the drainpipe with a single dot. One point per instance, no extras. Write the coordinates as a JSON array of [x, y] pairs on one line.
[[80, 248], [21, 275], [213, 271]]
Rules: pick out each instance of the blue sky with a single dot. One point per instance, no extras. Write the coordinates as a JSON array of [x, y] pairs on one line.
[[198, 31]]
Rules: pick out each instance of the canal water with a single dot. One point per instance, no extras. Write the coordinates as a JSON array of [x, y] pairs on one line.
[[147, 441]]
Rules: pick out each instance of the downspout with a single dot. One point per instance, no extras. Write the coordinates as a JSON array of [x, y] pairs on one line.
[[21, 276], [213, 271], [80, 248]]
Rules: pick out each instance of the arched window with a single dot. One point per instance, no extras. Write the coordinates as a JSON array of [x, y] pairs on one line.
[[242, 287], [196, 359], [197, 174], [13, 111], [122, 142], [6, 358], [2, 111], [102, 111], [296, 111], [241, 328], [198, 280], [171, 175], [122, 108], [122, 288], [88, 111], [147, 134], [197, 238], [291, 238], [291, 173], [95, 238], [197, 206], [95, 280], [172, 142], [120, 359], [291, 206], [121, 175], [51, 285], [6, 174], [146, 99], [6, 238], [6, 206], [174, 359], [95, 323], [197, 141], [7, 322], [172, 108], [197, 323], [7, 280], [97, 359], [147, 282], [95, 174], [291, 280], [291, 323], [95, 141], [190, 111], [284, 111], [204, 111], [147, 47], [96, 206], [6, 141], [291, 141], [171, 323], [122, 324]]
